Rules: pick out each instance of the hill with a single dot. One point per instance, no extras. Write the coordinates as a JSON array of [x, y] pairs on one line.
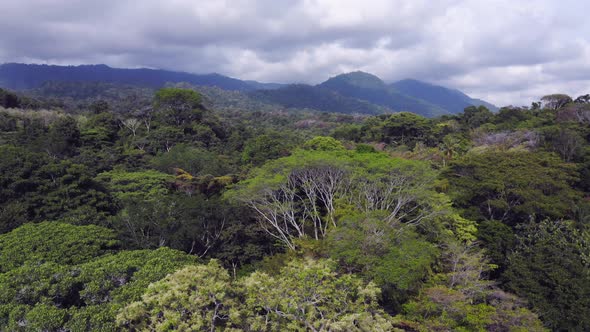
[[29, 76], [351, 93], [371, 88], [449, 99], [317, 98], [360, 92]]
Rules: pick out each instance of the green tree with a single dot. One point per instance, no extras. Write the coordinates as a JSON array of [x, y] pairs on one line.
[[63, 137], [461, 299], [178, 107], [396, 259], [35, 187], [195, 161], [73, 279], [406, 129], [473, 117], [263, 148], [305, 295], [512, 186], [140, 185], [9, 99], [556, 101], [309, 295], [54, 242], [550, 267], [196, 298], [297, 196]]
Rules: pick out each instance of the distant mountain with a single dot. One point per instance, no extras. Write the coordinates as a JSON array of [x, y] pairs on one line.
[[371, 88], [451, 100], [355, 92], [360, 92], [22, 76], [264, 86], [315, 97]]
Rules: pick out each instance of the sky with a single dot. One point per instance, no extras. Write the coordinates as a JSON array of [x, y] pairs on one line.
[[507, 52]]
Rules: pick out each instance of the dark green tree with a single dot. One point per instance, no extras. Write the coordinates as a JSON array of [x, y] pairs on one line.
[[550, 267]]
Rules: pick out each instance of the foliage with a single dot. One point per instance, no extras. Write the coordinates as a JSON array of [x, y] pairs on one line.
[[460, 299], [54, 242], [395, 258], [35, 188], [263, 148], [195, 161], [297, 196], [77, 281], [512, 186], [431, 219], [323, 144], [8, 99], [144, 185], [306, 295], [549, 267], [178, 106]]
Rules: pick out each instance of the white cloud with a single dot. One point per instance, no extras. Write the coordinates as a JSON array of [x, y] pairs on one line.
[[505, 51]]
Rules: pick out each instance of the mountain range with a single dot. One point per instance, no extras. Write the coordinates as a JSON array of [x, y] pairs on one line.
[[355, 92]]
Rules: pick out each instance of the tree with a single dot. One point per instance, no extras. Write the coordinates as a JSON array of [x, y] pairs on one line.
[[405, 129], [263, 148], [63, 137], [194, 161], [565, 141], [499, 240], [401, 188], [289, 193], [473, 117], [178, 107], [461, 299], [512, 186], [9, 99], [297, 196], [132, 124], [309, 295], [305, 295], [99, 106], [99, 131], [54, 242], [509, 117], [556, 101], [36, 187], [550, 267], [397, 259], [323, 143], [73, 278], [140, 185], [195, 298], [583, 99]]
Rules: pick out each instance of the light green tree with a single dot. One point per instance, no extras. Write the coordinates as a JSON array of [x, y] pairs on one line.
[[307, 295]]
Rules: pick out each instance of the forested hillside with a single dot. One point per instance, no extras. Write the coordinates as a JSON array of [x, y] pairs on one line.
[[352, 93], [32, 76], [126, 209]]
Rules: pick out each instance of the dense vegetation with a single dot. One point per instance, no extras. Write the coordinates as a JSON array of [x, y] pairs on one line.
[[160, 211]]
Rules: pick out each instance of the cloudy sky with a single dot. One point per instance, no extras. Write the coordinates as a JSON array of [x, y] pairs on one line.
[[504, 51]]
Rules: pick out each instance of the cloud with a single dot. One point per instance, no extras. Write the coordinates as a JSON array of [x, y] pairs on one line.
[[508, 52]]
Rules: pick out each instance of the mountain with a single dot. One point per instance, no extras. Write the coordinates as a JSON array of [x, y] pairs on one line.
[[315, 97], [28, 76], [355, 92], [360, 92], [368, 87], [449, 99]]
